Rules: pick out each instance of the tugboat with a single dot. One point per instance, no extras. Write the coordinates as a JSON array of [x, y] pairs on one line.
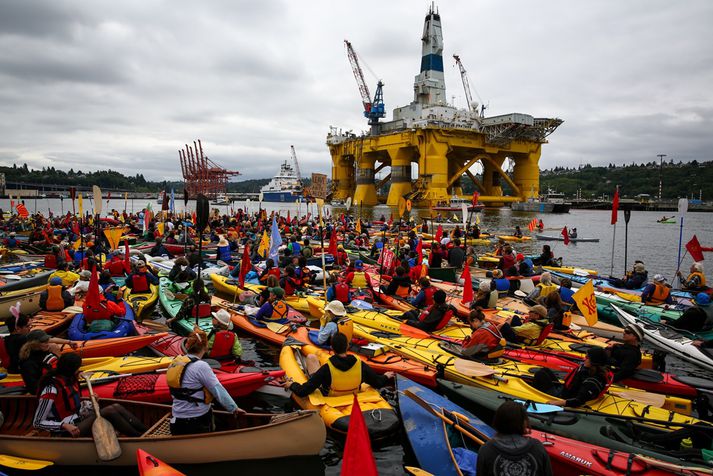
[[551, 202]]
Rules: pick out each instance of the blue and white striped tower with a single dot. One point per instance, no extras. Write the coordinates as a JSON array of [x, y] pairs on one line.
[[429, 85]]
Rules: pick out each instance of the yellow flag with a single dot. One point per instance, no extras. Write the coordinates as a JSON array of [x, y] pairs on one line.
[[81, 206], [477, 218], [113, 235], [358, 225], [587, 303], [77, 244], [264, 244], [159, 227]]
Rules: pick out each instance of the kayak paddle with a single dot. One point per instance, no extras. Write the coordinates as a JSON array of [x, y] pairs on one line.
[[105, 440]]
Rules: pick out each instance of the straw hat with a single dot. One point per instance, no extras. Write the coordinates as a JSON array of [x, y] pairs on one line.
[[223, 317], [336, 308]]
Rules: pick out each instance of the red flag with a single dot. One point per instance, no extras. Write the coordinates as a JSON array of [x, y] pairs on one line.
[[245, 265], [92, 299], [22, 210], [288, 217], [419, 251], [565, 233], [332, 250], [695, 249], [439, 234], [467, 285], [127, 257], [615, 206], [358, 460], [391, 219], [530, 227], [476, 195], [75, 227], [47, 238]]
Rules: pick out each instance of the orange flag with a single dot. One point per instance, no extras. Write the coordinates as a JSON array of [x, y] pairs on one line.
[[358, 460]]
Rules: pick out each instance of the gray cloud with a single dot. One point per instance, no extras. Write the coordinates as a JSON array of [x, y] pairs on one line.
[[124, 85]]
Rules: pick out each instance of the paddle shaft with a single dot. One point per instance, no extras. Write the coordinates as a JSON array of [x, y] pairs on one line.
[[426, 406]]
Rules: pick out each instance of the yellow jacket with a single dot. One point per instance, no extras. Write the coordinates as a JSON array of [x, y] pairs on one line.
[[68, 277]]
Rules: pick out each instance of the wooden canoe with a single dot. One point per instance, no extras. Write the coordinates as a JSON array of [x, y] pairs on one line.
[[251, 436]]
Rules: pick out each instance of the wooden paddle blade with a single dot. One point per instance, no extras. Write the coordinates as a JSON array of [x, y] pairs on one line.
[[23, 463], [277, 328], [647, 398], [155, 325], [473, 369], [105, 440]]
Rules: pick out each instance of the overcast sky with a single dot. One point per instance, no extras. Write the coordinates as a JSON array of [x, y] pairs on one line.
[[123, 85]]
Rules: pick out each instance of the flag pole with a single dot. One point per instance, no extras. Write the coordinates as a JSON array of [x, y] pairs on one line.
[[615, 207], [627, 217], [682, 209]]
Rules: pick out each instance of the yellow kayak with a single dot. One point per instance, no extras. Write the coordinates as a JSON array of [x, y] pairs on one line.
[[571, 270], [229, 287], [108, 366], [380, 418], [515, 239], [141, 303]]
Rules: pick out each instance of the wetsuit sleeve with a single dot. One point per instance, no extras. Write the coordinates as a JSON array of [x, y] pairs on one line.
[[370, 377], [321, 378], [587, 391]]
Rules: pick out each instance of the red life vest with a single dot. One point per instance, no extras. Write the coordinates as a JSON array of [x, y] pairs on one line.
[[104, 310], [139, 283], [291, 285], [55, 302], [50, 261], [444, 320], [341, 292], [67, 401], [222, 345], [275, 272], [117, 267], [429, 292]]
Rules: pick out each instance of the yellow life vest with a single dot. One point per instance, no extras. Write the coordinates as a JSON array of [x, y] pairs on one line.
[[701, 277], [546, 289], [359, 279], [174, 379], [344, 382], [54, 299], [279, 310]]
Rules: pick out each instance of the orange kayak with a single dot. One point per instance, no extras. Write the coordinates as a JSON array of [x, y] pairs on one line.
[[152, 466], [117, 347]]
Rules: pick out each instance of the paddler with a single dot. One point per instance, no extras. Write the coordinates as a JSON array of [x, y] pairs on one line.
[[36, 357], [117, 266], [435, 317], [223, 250], [333, 312], [529, 331], [338, 290], [486, 297], [223, 343], [343, 374], [424, 298], [140, 281], [55, 297], [68, 277], [61, 411], [400, 284], [486, 341], [358, 278], [696, 318], [626, 357], [543, 288], [275, 309], [696, 279], [657, 292], [518, 232]]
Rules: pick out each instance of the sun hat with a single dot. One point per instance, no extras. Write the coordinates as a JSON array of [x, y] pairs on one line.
[[336, 308], [85, 275], [223, 317], [540, 310], [636, 330]]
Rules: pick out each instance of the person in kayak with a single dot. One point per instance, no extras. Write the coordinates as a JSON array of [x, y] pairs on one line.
[[435, 317], [159, 250], [543, 288], [696, 280], [626, 357], [573, 233], [587, 382], [657, 292], [194, 386], [270, 270], [546, 258], [333, 313], [634, 279], [61, 412], [698, 317], [424, 298], [55, 297], [529, 331], [486, 297], [223, 343], [342, 374], [400, 284], [37, 356], [68, 277], [518, 232], [180, 272], [510, 451], [358, 278], [275, 309], [140, 281], [486, 341], [18, 326]]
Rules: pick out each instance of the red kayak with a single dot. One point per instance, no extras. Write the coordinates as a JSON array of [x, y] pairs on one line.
[[152, 466], [167, 345], [152, 387]]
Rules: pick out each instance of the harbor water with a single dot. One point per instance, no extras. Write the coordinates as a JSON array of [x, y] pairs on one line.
[[656, 244]]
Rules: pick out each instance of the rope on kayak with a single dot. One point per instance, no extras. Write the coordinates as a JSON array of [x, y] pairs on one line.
[[135, 385]]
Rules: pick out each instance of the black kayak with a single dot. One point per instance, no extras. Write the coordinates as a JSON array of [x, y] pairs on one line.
[[603, 430]]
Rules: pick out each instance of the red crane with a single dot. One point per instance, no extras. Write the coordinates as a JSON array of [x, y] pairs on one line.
[[201, 174]]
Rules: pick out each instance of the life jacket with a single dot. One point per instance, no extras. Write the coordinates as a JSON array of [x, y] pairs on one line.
[[341, 292], [201, 310], [224, 253], [344, 382], [359, 279], [50, 261], [290, 284], [498, 349], [659, 294], [55, 302], [546, 289], [566, 295], [279, 309], [428, 295], [222, 345], [444, 320], [701, 278], [174, 379], [139, 283], [117, 267], [403, 291], [67, 401], [342, 258], [569, 381], [566, 319]]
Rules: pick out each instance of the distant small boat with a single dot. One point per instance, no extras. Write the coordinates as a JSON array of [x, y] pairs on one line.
[[455, 204], [561, 238], [666, 220]]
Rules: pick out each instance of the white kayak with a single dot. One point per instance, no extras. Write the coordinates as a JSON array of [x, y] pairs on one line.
[[668, 339]]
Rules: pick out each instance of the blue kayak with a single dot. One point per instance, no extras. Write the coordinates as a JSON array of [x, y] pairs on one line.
[[428, 435], [601, 281], [124, 327]]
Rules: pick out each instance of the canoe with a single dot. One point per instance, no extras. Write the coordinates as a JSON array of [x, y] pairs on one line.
[[592, 428], [561, 238], [149, 465], [247, 437], [107, 366], [29, 299], [142, 302], [152, 387], [380, 418], [122, 328]]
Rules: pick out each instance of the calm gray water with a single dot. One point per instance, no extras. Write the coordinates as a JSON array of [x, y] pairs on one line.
[[654, 243]]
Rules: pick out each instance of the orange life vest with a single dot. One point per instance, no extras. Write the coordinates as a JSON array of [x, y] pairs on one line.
[[55, 302], [659, 294]]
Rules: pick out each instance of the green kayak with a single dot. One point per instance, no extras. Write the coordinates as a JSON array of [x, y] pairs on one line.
[[653, 313], [167, 296]]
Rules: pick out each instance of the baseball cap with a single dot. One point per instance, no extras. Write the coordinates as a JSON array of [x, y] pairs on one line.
[[38, 335], [659, 278]]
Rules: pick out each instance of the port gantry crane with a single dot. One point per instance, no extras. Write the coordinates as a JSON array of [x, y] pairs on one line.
[[297, 164], [373, 109], [472, 106]]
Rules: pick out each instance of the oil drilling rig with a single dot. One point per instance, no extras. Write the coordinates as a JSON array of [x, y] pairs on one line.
[[201, 174], [442, 140]]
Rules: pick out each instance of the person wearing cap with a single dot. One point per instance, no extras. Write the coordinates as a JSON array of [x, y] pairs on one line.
[[587, 382], [81, 286], [626, 357], [486, 341], [634, 279], [518, 232], [485, 297], [333, 313], [68, 277], [435, 317], [223, 343], [140, 281], [275, 309], [698, 317], [500, 283], [696, 279], [343, 373], [657, 292], [358, 278], [55, 297], [117, 265], [527, 332]]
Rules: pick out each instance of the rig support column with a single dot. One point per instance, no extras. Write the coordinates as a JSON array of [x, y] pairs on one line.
[[401, 158], [453, 167], [365, 193], [491, 178], [433, 167], [342, 177], [526, 173]]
